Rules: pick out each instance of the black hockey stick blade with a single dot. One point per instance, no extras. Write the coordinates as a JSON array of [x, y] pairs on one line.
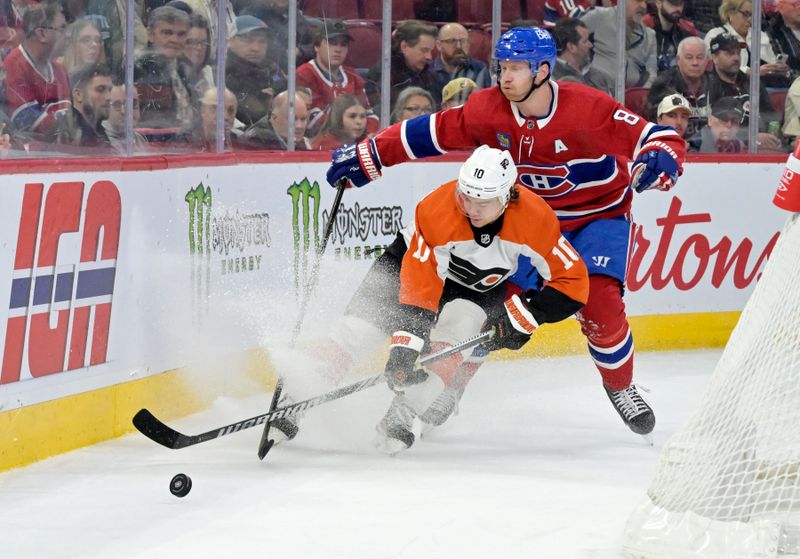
[[265, 444], [157, 431], [154, 429]]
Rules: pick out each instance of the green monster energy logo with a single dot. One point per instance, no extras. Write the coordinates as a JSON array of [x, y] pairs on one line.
[[302, 193], [199, 200]]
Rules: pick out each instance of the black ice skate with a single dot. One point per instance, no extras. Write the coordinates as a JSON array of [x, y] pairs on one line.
[[395, 429], [632, 408]]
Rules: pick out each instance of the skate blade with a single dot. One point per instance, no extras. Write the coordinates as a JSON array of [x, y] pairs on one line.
[[648, 438]]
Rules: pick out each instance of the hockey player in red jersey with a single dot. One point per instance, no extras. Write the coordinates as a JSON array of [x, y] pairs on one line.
[[573, 146]]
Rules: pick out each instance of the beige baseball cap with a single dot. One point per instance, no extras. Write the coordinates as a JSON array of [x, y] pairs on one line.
[[457, 87], [673, 102]]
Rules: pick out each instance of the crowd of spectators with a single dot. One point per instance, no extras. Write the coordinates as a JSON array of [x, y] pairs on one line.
[[64, 65]]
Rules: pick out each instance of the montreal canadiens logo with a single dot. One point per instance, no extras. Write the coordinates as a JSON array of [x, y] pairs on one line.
[[551, 181], [546, 181]]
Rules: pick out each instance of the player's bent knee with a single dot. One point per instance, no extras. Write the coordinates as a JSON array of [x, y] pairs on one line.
[[458, 320]]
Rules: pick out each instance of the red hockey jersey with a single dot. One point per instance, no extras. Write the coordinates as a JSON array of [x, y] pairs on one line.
[[443, 246], [33, 101], [324, 90], [576, 158]]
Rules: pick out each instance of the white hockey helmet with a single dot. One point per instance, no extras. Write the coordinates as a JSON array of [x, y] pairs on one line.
[[488, 173]]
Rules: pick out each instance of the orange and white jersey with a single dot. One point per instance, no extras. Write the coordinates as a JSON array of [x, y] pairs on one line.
[[444, 246]]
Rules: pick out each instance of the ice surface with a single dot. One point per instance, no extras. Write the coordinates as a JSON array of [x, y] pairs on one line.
[[537, 465]]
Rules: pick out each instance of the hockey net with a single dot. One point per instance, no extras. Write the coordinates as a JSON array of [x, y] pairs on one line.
[[727, 486]]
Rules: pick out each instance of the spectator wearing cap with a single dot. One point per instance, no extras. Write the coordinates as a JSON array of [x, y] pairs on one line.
[[574, 62], [674, 110], [163, 93], [737, 19], [690, 77], [412, 54], [250, 72], [36, 88], [275, 13], [724, 122], [456, 92], [640, 40], [671, 28], [784, 30], [327, 76], [454, 60], [728, 80]]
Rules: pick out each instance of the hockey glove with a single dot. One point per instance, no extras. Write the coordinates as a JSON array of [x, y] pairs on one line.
[[358, 163], [400, 372], [513, 328], [655, 168]]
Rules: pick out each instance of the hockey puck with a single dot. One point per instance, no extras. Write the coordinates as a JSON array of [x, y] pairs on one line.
[[180, 485]]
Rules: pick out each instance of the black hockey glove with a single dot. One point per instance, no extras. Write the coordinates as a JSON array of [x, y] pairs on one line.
[[513, 328], [400, 372]]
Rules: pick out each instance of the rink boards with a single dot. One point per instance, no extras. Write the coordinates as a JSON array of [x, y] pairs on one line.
[[161, 286]]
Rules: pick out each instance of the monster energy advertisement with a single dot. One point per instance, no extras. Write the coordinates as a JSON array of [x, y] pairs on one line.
[[231, 242], [359, 233]]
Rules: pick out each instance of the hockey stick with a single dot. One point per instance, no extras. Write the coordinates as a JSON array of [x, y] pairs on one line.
[[156, 430], [265, 444]]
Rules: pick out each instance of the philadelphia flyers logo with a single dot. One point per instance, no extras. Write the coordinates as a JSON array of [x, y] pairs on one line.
[[466, 273]]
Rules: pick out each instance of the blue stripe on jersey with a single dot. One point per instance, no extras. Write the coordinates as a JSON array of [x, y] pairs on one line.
[[418, 137], [613, 358]]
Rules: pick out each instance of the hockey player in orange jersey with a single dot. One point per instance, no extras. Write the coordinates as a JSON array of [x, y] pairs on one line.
[[443, 280], [467, 238]]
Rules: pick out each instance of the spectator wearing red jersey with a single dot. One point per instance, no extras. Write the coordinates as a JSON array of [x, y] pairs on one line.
[[36, 88], [346, 124], [327, 76]]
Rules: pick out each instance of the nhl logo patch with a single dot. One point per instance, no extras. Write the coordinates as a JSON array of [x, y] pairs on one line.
[[530, 125], [486, 239], [504, 140]]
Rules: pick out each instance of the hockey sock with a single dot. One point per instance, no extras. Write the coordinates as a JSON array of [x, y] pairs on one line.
[[609, 337]]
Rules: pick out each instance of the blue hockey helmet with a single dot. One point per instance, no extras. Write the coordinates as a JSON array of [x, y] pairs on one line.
[[531, 44]]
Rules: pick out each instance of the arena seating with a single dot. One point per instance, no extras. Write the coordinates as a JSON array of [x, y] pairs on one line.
[[365, 50], [636, 99]]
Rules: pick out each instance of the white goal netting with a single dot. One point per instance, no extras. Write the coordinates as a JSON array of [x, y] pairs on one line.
[[727, 485]]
